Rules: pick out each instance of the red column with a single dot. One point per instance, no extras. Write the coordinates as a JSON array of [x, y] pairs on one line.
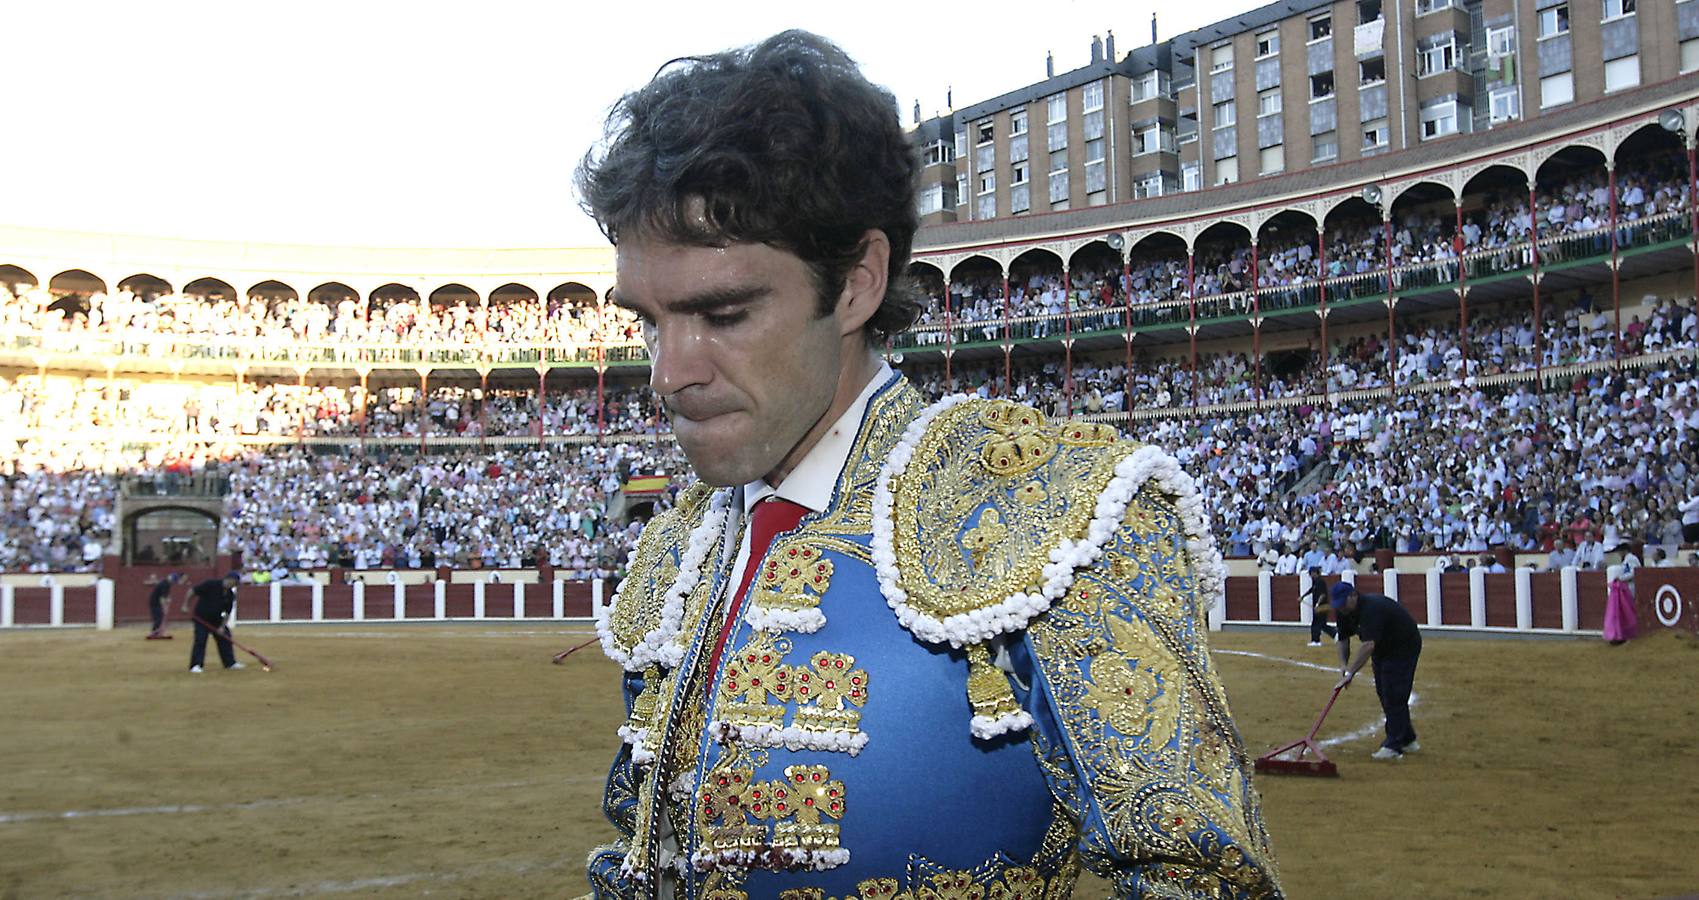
[[542, 401], [1462, 288], [424, 419], [1256, 328], [1391, 326], [1192, 328], [1127, 300], [1067, 344], [483, 401], [1008, 343], [1616, 279], [1321, 307], [950, 337], [1534, 254]]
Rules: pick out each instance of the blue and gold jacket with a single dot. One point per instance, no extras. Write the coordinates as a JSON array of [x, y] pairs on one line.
[[981, 668]]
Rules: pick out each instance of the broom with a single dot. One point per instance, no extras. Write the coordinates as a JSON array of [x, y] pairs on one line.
[[1319, 765]]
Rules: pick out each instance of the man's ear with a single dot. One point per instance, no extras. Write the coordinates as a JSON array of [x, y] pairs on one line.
[[865, 283]]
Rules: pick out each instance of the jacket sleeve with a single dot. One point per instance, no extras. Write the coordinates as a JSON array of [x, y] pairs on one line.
[[619, 804], [1131, 724]]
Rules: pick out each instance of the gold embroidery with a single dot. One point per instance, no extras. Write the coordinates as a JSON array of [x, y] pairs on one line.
[[794, 578], [654, 568], [965, 537], [988, 691], [1136, 689], [756, 673], [831, 683], [988, 882]]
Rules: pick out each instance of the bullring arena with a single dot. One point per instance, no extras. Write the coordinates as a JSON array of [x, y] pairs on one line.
[[1461, 374]]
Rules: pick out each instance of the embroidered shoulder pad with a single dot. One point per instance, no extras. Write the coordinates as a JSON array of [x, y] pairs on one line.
[[633, 627], [984, 511]]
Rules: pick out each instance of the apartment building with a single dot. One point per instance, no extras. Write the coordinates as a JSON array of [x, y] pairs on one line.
[[1289, 86]]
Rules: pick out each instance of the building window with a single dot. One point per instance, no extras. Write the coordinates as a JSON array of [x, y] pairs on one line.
[[1020, 199], [1148, 186], [1227, 170], [1325, 147], [1094, 151], [1094, 167], [961, 143], [1554, 21], [1375, 134], [1321, 27], [1059, 187], [1147, 140], [1368, 11], [931, 200], [1436, 54], [1225, 115], [1689, 56], [1190, 177], [1371, 71], [1321, 86], [1150, 85], [1505, 105], [1556, 90], [1428, 6], [939, 152], [988, 206], [1501, 42], [1617, 8], [1017, 174], [1057, 137], [1091, 96], [1058, 161], [983, 132], [1273, 160], [1268, 44], [1056, 108], [1220, 58], [1268, 102], [1092, 127], [1622, 73], [1018, 149], [1439, 120], [987, 182], [1017, 123], [961, 185]]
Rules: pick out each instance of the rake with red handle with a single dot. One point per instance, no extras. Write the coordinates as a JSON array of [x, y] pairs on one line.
[[562, 655], [217, 632], [1320, 765]]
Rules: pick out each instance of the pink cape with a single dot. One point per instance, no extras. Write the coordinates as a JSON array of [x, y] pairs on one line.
[[1620, 622]]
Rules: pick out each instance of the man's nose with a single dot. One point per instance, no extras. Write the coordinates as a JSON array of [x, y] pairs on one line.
[[679, 359]]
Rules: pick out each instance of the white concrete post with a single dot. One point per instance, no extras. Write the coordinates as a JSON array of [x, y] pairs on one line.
[[56, 604], [519, 599], [400, 601], [1571, 599], [1349, 576], [1477, 597], [276, 601], [1306, 614], [359, 601], [8, 605], [1218, 614], [1389, 584], [1265, 597], [1524, 599], [230, 619], [1436, 613], [318, 601], [598, 598], [103, 604], [441, 591], [559, 593], [477, 600]]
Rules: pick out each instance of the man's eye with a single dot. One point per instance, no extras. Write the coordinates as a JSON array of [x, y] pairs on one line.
[[725, 320]]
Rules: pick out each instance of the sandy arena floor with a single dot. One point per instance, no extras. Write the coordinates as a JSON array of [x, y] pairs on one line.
[[454, 761]]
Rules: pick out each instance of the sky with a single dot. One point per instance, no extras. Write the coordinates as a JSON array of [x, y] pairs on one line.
[[427, 124]]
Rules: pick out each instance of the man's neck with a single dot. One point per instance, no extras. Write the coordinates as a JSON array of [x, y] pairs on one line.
[[859, 368]]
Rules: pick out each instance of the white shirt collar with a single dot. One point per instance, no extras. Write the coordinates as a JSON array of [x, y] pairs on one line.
[[814, 479]]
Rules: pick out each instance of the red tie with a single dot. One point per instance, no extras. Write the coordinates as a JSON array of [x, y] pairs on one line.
[[772, 516]]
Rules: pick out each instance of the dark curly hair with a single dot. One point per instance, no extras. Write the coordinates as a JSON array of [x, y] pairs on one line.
[[783, 143]]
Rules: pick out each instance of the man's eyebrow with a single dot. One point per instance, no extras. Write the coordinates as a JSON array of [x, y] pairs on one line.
[[704, 300]]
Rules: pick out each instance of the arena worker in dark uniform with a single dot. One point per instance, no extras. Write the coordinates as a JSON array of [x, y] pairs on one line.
[[214, 599], [883, 648], [156, 600], [1391, 639]]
